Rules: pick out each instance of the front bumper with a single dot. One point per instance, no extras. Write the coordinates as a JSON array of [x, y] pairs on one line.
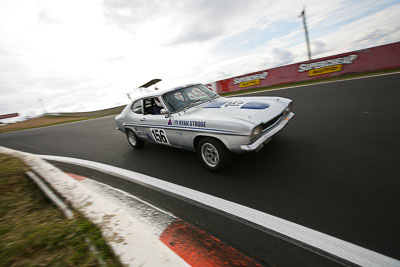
[[259, 143]]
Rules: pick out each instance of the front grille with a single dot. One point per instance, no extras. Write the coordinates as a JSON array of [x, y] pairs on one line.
[[272, 122]]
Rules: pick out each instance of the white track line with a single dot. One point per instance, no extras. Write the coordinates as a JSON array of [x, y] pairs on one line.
[[323, 244]]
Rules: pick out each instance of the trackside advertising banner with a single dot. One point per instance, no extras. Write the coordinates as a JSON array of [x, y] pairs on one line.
[[371, 59], [6, 116]]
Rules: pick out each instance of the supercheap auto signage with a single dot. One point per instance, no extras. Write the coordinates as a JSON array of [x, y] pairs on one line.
[[327, 66], [369, 59], [250, 80]]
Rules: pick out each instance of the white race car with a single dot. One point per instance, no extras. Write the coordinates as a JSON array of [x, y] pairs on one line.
[[194, 118]]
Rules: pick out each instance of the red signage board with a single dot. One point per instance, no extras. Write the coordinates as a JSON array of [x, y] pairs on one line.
[[371, 59], [6, 116]]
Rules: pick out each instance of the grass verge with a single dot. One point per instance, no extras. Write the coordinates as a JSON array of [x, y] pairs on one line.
[[41, 122], [34, 232], [337, 78]]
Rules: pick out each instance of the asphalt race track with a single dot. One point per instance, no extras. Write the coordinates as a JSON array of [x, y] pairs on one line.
[[334, 169]]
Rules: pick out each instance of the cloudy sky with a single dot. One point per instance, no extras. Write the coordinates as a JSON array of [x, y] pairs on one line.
[[85, 55]]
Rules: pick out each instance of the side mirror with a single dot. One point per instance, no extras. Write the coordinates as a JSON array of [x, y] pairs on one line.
[[163, 111]]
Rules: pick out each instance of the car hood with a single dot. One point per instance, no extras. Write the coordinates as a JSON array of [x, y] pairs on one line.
[[254, 110]]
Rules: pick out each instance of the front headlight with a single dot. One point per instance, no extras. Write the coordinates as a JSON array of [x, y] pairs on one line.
[[256, 132], [288, 109]]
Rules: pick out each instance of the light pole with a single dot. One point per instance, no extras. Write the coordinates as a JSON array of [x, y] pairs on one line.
[[303, 14], [43, 106]]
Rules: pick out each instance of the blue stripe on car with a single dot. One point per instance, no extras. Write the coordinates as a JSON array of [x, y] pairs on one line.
[[179, 127]]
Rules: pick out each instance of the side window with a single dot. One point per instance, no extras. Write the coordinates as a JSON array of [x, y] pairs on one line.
[[137, 107], [148, 106], [152, 106]]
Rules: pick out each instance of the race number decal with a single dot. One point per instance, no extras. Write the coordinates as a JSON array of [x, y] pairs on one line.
[[159, 136]]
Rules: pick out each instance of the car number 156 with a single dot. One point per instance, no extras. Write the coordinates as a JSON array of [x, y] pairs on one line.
[[159, 136]]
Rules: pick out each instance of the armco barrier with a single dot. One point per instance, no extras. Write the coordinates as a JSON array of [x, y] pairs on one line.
[[104, 112], [370, 59]]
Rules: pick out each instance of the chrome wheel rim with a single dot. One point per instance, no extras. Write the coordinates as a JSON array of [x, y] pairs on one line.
[[210, 154], [132, 138]]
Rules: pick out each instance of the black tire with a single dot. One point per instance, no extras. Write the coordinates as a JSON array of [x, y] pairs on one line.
[[134, 140], [213, 153]]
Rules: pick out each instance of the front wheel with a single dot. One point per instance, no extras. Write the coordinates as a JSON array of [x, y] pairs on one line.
[[133, 140], [213, 154]]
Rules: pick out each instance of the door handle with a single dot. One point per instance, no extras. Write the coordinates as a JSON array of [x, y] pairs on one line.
[[143, 119]]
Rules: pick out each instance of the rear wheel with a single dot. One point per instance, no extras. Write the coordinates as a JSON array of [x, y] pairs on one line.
[[213, 154], [133, 140]]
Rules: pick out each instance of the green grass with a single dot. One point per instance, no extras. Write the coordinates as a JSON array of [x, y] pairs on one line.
[[18, 127], [337, 78], [34, 232]]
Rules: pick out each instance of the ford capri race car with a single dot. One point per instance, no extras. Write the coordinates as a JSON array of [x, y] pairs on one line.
[[194, 118]]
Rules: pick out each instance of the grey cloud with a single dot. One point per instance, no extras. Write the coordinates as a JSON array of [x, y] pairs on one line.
[[23, 91], [197, 20], [207, 19], [318, 47], [375, 37], [281, 57], [222, 74], [45, 17], [126, 14], [115, 59], [197, 33], [273, 58], [46, 84], [372, 35]]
